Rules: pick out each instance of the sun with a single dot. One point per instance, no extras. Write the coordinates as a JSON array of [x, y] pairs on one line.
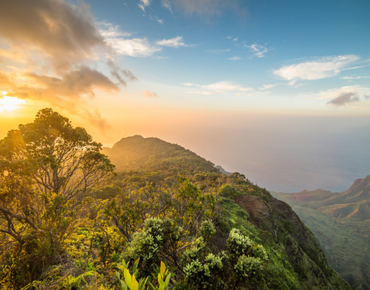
[[9, 103]]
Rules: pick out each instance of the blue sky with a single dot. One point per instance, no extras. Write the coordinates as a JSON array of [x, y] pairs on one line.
[[254, 52], [277, 90]]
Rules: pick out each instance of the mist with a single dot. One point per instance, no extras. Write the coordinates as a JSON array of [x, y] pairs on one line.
[[280, 153]]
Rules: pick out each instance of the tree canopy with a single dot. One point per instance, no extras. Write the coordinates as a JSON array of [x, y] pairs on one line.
[[46, 169]]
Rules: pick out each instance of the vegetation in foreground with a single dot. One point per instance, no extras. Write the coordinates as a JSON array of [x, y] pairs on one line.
[[168, 220]]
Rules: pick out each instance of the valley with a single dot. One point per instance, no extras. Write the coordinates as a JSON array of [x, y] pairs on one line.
[[341, 223]]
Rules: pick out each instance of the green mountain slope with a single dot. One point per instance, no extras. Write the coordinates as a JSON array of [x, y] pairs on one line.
[[136, 152], [341, 223], [296, 260]]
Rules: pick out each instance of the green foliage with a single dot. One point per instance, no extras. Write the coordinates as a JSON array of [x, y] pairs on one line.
[[227, 191], [76, 282], [247, 266], [239, 245], [207, 229], [243, 263], [147, 244], [204, 274], [46, 167], [164, 278], [170, 209], [130, 281]]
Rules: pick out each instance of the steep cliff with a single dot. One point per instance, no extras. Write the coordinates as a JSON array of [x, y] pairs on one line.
[[296, 260], [341, 223]]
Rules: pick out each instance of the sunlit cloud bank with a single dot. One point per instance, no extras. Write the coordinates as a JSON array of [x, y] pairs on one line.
[[135, 47], [57, 44], [313, 70]]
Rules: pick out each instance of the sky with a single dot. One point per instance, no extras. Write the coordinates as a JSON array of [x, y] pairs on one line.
[[277, 90]]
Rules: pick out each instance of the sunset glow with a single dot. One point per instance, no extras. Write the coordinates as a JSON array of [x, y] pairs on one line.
[[191, 72], [145, 138], [10, 103]]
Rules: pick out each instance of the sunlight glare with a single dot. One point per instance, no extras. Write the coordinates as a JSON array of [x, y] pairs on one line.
[[9, 103]]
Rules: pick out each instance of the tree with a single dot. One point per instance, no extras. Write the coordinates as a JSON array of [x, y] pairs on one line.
[[46, 169]]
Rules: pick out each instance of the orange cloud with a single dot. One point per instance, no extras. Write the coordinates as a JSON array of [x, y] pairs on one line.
[[49, 45], [70, 88], [148, 94]]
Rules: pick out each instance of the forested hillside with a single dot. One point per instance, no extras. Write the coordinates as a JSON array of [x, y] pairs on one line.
[[242, 205], [341, 223], [165, 219]]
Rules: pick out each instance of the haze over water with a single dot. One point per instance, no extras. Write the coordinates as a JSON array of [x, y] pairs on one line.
[[286, 153]]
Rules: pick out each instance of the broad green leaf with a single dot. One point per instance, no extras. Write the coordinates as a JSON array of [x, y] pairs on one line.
[[127, 277], [134, 283], [123, 285], [163, 269]]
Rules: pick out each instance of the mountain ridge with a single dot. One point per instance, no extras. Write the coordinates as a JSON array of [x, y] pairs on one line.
[[297, 261]]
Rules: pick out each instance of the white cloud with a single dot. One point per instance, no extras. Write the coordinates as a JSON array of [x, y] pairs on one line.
[[355, 78], [235, 39], [268, 86], [234, 58], [173, 42], [219, 88], [136, 47], [219, 51], [155, 18], [258, 50], [229, 37], [166, 4], [145, 2], [108, 30], [314, 70], [226, 86]]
